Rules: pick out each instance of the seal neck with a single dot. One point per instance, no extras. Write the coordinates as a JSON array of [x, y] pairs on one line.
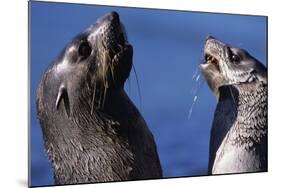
[[250, 125]]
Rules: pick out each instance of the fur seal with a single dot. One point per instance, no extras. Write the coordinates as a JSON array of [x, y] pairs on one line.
[[92, 131], [238, 141]]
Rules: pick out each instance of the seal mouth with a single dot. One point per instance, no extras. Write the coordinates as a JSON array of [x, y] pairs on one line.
[[212, 54], [212, 60]]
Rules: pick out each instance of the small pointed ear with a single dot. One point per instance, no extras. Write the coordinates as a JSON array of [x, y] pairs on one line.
[[62, 95]]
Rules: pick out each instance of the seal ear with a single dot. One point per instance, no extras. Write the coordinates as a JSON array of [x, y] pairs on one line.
[[62, 95]]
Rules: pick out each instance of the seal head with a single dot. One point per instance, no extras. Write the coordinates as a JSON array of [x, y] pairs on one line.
[[98, 59], [227, 65]]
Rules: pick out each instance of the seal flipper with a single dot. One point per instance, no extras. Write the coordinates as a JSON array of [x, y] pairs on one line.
[[62, 95]]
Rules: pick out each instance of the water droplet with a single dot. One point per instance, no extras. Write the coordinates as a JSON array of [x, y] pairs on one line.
[[198, 76], [195, 98], [196, 73], [194, 90], [191, 108]]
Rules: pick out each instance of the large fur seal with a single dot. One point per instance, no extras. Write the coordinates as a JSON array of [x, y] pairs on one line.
[[238, 140], [91, 129]]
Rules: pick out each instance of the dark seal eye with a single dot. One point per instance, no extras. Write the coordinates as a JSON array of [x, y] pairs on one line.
[[85, 49], [235, 59]]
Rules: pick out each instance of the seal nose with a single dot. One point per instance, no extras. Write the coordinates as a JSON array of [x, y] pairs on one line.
[[111, 17], [209, 37], [114, 15]]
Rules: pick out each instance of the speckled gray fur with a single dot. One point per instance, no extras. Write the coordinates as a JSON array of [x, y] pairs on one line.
[[242, 144], [238, 141]]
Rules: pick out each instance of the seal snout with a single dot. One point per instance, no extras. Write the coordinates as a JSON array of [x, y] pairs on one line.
[[211, 57], [209, 37], [112, 33], [112, 49], [111, 17]]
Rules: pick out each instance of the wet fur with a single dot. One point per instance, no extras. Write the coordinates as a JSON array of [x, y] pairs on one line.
[[238, 141], [92, 131]]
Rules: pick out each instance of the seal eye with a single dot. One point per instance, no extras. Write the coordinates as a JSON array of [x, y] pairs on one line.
[[235, 59], [85, 49]]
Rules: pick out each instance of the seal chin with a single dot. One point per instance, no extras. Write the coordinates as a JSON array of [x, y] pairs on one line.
[[211, 66], [121, 66], [121, 54]]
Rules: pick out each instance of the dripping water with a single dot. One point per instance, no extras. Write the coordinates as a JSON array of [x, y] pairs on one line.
[[191, 107], [195, 90]]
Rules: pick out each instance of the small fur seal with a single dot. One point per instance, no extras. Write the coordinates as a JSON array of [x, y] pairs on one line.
[[238, 141], [92, 131]]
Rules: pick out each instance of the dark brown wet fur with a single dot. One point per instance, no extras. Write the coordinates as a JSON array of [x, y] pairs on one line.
[[92, 131]]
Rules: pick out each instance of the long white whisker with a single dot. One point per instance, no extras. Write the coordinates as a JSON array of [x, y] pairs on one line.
[[93, 99], [138, 85]]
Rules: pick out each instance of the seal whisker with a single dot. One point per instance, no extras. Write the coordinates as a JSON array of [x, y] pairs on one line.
[[111, 67], [93, 100], [128, 84], [138, 85], [104, 94], [100, 101]]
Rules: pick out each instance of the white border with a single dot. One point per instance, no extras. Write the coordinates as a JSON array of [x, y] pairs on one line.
[[14, 92]]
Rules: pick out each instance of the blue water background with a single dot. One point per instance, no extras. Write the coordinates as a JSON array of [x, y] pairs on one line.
[[167, 51]]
